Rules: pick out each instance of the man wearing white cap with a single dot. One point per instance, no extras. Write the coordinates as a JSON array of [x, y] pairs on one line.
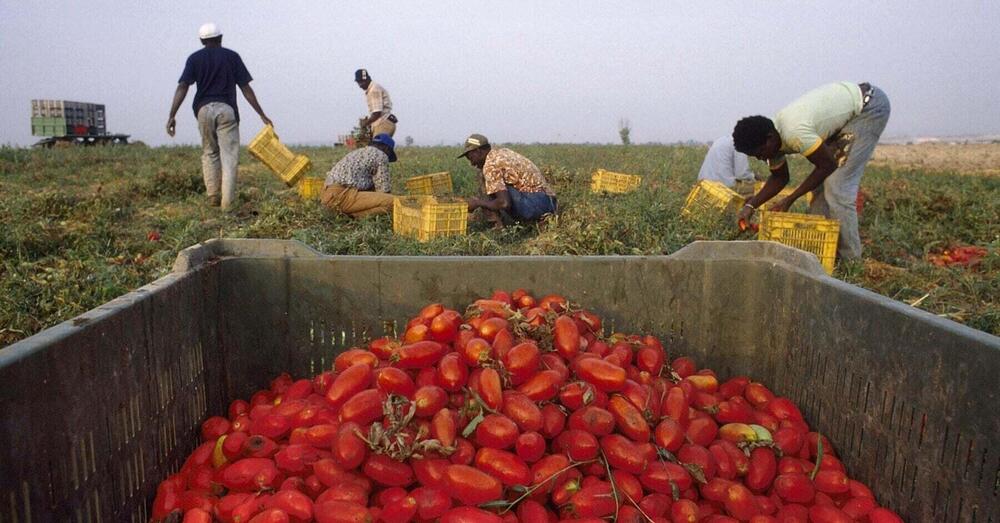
[[217, 71]]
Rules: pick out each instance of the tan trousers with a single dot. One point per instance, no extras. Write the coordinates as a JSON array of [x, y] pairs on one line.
[[383, 125], [355, 203], [220, 142]]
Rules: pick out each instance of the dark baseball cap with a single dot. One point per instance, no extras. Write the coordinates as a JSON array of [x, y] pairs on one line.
[[473, 142], [361, 75], [385, 139]]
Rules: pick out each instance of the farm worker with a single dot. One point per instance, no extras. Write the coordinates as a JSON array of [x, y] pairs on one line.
[[512, 183], [358, 185], [217, 71], [380, 116], [836, 127], [724, 164]]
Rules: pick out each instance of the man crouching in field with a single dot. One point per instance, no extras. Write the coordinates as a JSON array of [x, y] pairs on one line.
[[513, 184], [217, 71], [358, 185], [836, 127]]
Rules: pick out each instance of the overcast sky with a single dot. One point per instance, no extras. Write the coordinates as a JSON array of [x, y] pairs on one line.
[[552, 71]]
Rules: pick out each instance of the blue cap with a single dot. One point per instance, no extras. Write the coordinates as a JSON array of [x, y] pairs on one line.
[[385, 139]]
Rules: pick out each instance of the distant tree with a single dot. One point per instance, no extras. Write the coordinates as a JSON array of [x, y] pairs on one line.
[[624, 129], [408, 141]]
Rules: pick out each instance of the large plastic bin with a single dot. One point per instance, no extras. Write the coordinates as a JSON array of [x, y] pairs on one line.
[[96, 411]]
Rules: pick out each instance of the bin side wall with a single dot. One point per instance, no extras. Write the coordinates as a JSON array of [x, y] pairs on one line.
[[93, 422]]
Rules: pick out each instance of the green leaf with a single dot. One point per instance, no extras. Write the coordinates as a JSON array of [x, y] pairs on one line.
[[819, 455], [471, 427]]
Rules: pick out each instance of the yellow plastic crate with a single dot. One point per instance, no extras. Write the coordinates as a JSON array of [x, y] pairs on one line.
[[611, 182], [310, 187], [428, 217], [808, 232], [429, 184], [268, 149], [711, 198]]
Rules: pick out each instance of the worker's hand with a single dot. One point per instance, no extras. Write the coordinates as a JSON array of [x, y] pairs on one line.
[[782, 205], [266, 120], [171, 127], [744, 215]]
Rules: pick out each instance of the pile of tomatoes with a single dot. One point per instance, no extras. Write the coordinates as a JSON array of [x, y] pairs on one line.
[[517, 410]]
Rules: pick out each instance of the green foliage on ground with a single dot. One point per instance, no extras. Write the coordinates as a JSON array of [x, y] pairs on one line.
[[75, 223]]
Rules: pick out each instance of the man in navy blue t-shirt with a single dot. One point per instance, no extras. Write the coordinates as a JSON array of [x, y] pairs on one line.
[[217, 71]]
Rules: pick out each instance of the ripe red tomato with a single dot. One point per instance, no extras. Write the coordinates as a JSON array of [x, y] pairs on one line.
[[566, 337], [763, 467], [530, 447], [348, 384], [419, 355], [471, 486], [628, 419], [392, 380], [508, 468], [363, 408], [542, 386], [524, 412], [606, 376], [388, 472], [794, 488], [496, 431]]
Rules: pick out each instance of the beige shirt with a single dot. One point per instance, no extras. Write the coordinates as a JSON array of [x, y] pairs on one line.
[[504, 167], [378, 101]]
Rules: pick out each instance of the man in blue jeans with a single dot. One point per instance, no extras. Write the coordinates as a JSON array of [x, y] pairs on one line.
[[836, 127], [217, 71], [512, 183]]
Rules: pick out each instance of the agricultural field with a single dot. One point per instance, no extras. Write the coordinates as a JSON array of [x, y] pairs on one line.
[[79, 227]]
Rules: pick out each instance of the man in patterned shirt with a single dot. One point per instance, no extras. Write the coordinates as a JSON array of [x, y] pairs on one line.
[[512, 183], [380, 116], [358, 185]]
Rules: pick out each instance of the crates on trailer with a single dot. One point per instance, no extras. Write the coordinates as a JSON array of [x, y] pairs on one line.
[[428, 217], [124, 387], [808, 232], [48, 126], [711, 199], [267, 148], [79, 118], [429, 184], [603, 181]]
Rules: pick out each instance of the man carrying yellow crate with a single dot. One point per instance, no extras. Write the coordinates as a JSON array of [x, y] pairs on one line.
[[380, 116], [217, 71], [513, 185], [836, 127], [358, 185], [724, 164]]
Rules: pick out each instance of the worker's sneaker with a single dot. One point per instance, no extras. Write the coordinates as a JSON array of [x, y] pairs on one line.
[[215, 200]]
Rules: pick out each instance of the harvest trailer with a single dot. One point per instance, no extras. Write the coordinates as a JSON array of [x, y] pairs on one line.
[[63, 121]]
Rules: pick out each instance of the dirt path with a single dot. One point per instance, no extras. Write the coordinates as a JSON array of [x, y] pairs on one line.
[[978, 159]]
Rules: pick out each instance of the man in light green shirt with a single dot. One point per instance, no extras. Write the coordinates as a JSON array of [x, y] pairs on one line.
[[836, 127]]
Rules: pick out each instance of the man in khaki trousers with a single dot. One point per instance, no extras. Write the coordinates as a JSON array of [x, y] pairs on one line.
[[380, 116], [358, 185], [217, 71]]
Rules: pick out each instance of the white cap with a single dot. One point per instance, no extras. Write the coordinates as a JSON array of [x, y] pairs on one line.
[[209, 30]]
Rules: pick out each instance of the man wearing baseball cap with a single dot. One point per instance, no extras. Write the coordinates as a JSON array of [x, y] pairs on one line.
[[358, 185], [380, 116], [217, 71], [513, 185]]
